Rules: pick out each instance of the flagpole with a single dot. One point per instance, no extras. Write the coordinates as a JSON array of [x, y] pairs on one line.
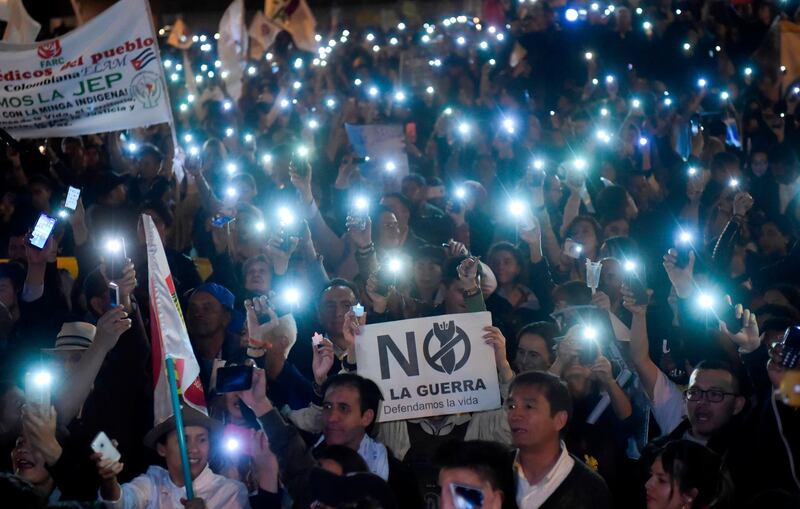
[[163, 78], [176, 408]]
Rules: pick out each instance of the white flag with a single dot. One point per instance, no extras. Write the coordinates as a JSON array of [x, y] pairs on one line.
[[263, 33], [20, 27], [295, 17], [232, 47], [168, 333]]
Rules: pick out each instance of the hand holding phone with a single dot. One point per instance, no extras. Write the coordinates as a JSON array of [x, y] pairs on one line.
[[72, 198], [234, 379], [573, 249], [103, 446], [42, 231]]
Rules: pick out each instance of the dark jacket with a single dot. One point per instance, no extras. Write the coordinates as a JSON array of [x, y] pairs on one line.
[[582, 489]]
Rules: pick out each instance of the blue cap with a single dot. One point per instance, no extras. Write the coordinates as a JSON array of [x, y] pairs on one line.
[[219, 292]]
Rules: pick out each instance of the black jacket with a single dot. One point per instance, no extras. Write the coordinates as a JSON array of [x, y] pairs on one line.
[[582, 489]]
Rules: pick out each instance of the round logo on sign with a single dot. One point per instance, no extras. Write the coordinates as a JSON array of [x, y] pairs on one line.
[[451, 349], [146, 88], [49, 50]]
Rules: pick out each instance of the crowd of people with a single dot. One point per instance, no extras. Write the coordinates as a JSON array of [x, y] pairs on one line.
[[618, 184]]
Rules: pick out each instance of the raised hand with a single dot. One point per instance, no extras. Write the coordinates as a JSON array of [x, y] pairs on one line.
[[455, 249], [742, 203], [629, 301], [602, 372], [379, 300], [322, 361], [110, 327], [39, 428], [681, 278], [468, 272], [256, 396], [257, 333], [302, 183], [748, 338]]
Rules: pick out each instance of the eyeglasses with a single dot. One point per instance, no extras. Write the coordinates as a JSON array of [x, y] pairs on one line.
[[712, 396]]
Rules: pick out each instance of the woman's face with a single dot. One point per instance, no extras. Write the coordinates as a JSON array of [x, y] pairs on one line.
[[662, 491], [28, 463], [583, 233], [427, 274], [759, 164], [504, 266]]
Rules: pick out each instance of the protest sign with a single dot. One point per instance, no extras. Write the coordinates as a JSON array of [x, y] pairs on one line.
[[430, 366], [103, 76], [384, 145]]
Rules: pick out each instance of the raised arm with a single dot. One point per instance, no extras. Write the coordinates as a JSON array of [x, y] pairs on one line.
[[640, 346]]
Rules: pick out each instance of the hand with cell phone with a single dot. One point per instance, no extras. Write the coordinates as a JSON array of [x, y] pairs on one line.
[[39, 429], [261, 320], [110, 327], [741, 327], [359, 230], [378, 292]]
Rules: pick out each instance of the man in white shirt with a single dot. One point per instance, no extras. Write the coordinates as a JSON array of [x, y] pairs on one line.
[[547, 476], [160, 488]]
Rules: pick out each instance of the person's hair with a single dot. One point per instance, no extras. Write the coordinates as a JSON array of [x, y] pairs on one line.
[[244, 179], [488, 460], [338, 281], [415, 178], [248, 264], [782, 153], [553, 388], [611, 203], [401, 198], [95, 285], [150, 149], [15, 273], [695, 467], [430, 252], [598, 230], [621, 248], [576, 293], [547, 330], [722, 366], [345, 457], [369, 394], [159, 209], [723, 160]]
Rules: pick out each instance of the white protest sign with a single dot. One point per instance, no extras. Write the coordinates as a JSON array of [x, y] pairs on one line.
[[431, 366], [103, 76]]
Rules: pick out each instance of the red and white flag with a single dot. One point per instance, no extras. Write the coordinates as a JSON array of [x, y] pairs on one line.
[[168, 333], [295, 17], [263, 33]]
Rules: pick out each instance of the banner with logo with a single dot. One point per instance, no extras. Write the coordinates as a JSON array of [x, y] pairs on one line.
[[105, 75], [168, 333], [431, 366]]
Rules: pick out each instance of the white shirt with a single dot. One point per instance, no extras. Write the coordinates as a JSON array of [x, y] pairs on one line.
[[532, 496], [667, 405], [155, 490]]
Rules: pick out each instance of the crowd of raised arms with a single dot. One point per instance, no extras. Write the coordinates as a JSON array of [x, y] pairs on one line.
[[617, 184]]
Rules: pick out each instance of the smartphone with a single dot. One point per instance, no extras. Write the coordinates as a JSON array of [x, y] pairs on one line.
[[37, 390], [234, 378], [466, 497], [638, 286], [42, 231], [791, 347], [103, 446], [360, 160], [573, 249], [728, 315], [300, 169], [113, 294], [411, 133], [220, 220], [115, 261], [72, 198]]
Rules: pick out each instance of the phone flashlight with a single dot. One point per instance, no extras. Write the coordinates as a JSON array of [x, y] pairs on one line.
[[642, 141], [358, 310], [734, 183], [705, 301], [291, 296], [231, 168], [390, 166], [230, 192], [589, 333], [133, 148], [63, 214], [538, 164], [516, 208], [702, 83], [464, 128], [692, 171], [232, 445], [579, 164], [395, 265], [588, 55], [260, 226], [636, 103], [302, 151], [285, 216], [460, 193]]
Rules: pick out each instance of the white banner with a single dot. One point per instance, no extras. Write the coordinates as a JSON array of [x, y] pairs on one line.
[[103, 76], [168, 333], [431, 366]]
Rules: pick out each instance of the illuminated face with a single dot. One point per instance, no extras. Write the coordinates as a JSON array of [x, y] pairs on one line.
[[530, 419], [706, 416], [662, 491], [505, 267], [427, 274], [759, 164], [532, 354], [583, 233], [197, 446], [342, 420], [388, 231], [206, 315], [29, 463], [258, 277], [334, 304]]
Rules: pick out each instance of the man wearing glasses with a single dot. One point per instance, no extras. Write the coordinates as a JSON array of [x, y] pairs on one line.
[[712, 402]]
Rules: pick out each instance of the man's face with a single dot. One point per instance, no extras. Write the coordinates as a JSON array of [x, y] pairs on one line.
[[707, 417], [492, 499], [402, 214], [7, 294], [530, 419], [532, 354], [148, 166], [342, 420], [389, 231], [427, 273], [206, 315], [334, 304], [454, 298], [69, 360], [28, 463], [771, 240], [413, 191], [759, 164], [258, 278], [197, 446]]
